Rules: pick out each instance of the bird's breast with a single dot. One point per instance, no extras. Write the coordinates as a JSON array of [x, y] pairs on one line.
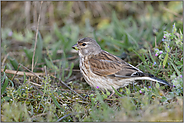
[[85, 67]]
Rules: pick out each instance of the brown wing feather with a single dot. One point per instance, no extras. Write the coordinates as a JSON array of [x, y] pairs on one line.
[[107, 64]]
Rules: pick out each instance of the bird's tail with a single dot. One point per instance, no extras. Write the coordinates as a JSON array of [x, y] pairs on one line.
[[153, 78], [143, 76]]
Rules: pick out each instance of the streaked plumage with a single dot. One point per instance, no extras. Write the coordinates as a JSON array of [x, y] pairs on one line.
[[104, 70]]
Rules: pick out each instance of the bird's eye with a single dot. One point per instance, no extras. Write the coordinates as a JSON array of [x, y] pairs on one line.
[[84, 44]]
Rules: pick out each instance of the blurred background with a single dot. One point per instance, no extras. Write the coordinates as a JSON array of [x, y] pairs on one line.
[[21, 15], [62, 24]]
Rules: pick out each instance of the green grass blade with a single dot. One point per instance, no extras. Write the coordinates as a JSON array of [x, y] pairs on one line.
[[24, 77], [165, 60], [119, 94], [4, 85], [70, 73], [175, 68], [151, 56], [39, 47], [55, 49], [28, 53], [56, 102], [14, 63], [11, 83]]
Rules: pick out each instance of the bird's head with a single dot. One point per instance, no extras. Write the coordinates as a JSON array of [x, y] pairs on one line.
[[87, 46]]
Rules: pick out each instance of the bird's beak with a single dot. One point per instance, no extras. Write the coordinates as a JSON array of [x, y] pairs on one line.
[[75, 47]]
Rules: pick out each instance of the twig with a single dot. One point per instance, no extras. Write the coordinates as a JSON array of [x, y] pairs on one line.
[[39, 115], [141, 63], [66, 116], [27, 11], [45, 72], [155, 42], [36, 38], [30, 71], [35, 84], [5, 59], [16, 72], [22, 73], [168, 10], [68, 87], [78, 91]]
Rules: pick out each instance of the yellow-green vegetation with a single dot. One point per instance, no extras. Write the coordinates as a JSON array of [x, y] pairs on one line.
[[148, 35]]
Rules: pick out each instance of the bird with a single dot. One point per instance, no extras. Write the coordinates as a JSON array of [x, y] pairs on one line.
[[103, 70]]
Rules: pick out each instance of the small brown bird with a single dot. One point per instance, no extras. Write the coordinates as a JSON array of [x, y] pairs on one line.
[[103, 70]]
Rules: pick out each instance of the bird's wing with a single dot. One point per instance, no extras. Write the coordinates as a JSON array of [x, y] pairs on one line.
[[107, 64]]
